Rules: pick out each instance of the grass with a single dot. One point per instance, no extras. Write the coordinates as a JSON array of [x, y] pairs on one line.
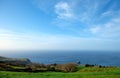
[[18, 67], [83, 72]]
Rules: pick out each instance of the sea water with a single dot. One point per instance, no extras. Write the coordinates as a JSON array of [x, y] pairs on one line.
[[106, 58]]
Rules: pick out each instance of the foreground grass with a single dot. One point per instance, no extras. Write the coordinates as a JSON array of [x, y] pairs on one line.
[[85, 72]]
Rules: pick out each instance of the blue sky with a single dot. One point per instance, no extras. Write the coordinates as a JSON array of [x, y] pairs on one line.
[[60, 25]]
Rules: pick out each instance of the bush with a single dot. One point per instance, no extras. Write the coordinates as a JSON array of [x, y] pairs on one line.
[[68, 67], [88, 65], [36, 67]]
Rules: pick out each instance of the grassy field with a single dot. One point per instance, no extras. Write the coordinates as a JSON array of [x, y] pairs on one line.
[[83, 72]]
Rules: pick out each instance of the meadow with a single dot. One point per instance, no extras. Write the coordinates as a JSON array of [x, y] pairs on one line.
[[82, 72]]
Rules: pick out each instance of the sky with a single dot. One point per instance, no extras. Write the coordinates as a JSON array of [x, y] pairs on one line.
[[60, 25]]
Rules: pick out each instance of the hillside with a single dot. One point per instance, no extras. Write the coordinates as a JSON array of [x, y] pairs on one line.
[[20, 61]]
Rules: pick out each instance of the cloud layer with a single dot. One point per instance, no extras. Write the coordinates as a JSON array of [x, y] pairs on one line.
[[15, 41]]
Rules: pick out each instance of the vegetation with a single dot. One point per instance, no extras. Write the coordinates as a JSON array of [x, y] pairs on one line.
[[15, 61], [83, 72], [69, 67], [36, 67], [68, 70]]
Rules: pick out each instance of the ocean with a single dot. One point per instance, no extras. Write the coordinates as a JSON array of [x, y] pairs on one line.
[[105, 58]]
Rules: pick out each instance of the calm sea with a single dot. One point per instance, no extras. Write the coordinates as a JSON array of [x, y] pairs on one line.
[[85, 57]]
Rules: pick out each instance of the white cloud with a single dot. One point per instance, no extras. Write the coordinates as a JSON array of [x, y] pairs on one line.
[[111, 29], [107, 13], [54, 42], [63, 10], [8, 34], [110, 13], [87, 11], [78, 13], [95, 30]]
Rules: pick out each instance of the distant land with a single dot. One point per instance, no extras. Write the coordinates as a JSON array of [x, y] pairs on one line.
[[21, 61]]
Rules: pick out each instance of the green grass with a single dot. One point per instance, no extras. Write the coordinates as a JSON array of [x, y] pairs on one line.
[[18, 67], [83, 72]]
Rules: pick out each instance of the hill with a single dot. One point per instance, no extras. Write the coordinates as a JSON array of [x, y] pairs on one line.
[[15, 61]]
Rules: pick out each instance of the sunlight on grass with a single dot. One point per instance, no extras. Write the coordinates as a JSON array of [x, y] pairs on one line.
[[85, 72]]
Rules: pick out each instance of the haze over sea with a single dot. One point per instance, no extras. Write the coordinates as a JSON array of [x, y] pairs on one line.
[[107, 58]]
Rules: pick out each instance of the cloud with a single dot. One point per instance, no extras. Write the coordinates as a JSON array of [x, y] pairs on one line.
[[54, 42], [95, 30], [79, 11], [107, 13], [9, 34], [110, 29], [63, 10], [97, 18]]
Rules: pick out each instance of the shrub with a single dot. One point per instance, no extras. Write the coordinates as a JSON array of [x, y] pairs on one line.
[[88, 65], [68, 67], [36, 67]]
